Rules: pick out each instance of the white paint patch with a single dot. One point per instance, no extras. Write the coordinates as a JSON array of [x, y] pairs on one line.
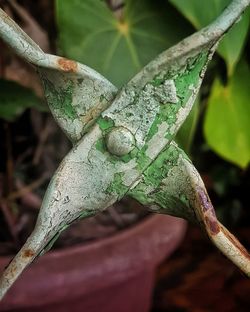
[[130, 176], [158, 141]]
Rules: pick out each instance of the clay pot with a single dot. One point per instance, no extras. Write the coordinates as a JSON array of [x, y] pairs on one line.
[[109, 275]]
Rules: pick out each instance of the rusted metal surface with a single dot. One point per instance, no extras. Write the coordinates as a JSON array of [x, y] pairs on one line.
[[28, 253], [234, 241], [123, 140], [208, 213], [67, 65]]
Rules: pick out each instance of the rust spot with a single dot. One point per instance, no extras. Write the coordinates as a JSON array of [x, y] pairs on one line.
[[13, 270], [213, 225], [208, 213], [91, 114], [235, 242], [205, 202], [67, 65], [28, 253]]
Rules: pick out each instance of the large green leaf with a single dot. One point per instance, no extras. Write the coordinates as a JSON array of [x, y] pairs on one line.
[[201, 13], [227, 120], [15, 99], [90, 33]]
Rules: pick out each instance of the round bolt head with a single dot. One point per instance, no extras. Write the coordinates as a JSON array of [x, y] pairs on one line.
[[120, 141]]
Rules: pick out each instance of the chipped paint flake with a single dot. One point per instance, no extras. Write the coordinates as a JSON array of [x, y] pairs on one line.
[[166, 93]]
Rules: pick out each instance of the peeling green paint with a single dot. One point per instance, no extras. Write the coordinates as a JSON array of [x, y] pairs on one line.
[[151, 191], [61, 99], [117, 187], [185, 81], [105, 123], [154, 174], [188, 81], [100, 145], [142, 159]]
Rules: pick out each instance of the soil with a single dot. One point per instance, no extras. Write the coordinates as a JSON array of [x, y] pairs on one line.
[[197, 278]]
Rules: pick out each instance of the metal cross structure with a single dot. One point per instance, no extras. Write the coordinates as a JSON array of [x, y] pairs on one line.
[[123, 140]]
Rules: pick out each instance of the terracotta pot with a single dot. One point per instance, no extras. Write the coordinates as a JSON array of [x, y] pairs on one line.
[[109, 275]]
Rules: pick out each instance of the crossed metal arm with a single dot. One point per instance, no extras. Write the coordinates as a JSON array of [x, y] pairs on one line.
[[123, 140]]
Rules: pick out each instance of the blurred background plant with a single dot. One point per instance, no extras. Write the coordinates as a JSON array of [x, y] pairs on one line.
[[117, 38]]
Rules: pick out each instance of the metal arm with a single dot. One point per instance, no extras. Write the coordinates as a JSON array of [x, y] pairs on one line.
[[76, 94], [20, 42], [176, 188]]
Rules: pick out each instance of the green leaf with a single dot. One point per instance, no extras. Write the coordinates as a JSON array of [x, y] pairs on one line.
[[201, 13], [185, 135], [15, 99], [90, 33], [227, 120]]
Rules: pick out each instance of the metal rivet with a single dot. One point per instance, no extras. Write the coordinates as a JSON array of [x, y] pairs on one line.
[[120, 141]]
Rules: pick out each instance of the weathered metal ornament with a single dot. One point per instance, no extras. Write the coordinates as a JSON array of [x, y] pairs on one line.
[[123, 141]]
